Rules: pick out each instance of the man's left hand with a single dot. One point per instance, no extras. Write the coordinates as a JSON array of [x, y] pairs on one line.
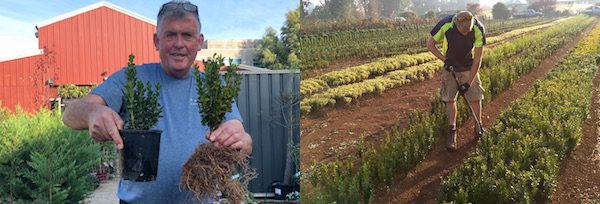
[[231, 134], [463, 88]]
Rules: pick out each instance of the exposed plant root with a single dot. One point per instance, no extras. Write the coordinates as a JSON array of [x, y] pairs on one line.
[[210, 170]]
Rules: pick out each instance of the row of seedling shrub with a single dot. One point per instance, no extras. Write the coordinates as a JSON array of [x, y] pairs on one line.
[[518, 161], [318, 50]]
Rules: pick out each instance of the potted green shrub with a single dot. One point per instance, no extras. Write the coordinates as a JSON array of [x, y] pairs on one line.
[[141, 144], [211, 169]]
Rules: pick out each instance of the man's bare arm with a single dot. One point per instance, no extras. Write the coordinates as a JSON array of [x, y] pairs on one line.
[[476, 63], [91, 112], [433, 49]]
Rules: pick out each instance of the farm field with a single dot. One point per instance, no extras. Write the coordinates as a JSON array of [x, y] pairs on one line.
[[370, 126]]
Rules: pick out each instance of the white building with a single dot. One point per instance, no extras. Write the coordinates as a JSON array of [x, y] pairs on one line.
[[242, 51]]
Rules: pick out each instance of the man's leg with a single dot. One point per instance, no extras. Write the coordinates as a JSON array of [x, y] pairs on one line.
[[451, 112]]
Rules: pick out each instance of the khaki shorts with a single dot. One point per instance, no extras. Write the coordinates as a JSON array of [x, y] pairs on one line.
[[449, 90]]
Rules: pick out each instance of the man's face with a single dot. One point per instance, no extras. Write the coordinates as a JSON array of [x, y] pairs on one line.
[[464, 23], [464, 28], [178, 44]]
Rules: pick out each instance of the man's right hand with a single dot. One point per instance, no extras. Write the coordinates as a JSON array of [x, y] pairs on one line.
[[91, 112], [104, 124], [448, 63]]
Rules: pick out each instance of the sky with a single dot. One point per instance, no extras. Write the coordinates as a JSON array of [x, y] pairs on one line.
[[221, 19]]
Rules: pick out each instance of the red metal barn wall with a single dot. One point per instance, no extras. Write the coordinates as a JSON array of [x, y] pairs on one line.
[[84, 46], [16, 85], [98, 41]]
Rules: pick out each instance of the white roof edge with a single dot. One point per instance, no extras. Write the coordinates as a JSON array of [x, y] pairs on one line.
[[22, 55], [252, 68], [92, 7]]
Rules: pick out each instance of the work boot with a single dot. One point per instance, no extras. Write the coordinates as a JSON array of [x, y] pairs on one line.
[[451, 139]]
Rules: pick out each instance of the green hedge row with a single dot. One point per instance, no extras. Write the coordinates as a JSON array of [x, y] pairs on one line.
[[361, 72], [43, 161], [318, 50], [351, 92], [519, 161]]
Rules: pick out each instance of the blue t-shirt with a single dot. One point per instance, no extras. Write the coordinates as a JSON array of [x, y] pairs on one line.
[[181, 126]]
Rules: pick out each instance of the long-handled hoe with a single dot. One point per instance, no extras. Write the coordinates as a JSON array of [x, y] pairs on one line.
[[478, 126]]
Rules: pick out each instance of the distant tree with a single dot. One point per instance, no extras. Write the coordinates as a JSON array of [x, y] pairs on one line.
[[500, 11], [335, 9], [290, 38], [410, 15], [290, 30], [369, 8], [542, 5], [548, 7], [342, 9], [390, 7], [429, 15], [374, 8], [474, 8], [281, 52], [269, 48], [305, 4]]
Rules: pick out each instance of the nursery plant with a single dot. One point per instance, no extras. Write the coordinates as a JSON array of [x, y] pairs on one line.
[[141, 102], [142, 145], [44, 161], [212, 169]]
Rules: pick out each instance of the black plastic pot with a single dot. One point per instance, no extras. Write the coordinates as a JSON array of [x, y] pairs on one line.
[[140, 154]]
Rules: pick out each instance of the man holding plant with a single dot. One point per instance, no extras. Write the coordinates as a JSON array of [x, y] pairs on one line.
[[461, 34], [178, 39]]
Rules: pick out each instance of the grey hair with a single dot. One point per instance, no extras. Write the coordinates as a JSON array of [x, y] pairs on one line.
[[177, 13]]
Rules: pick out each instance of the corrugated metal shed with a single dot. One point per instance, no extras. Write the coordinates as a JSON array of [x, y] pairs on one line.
[[263, 101]]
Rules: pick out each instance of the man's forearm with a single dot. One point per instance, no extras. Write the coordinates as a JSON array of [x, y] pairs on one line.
[[476, 63], [438, 53], [475, 69], [433, 49]]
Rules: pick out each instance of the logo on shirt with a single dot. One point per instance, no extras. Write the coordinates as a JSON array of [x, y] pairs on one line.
[[193, 102]]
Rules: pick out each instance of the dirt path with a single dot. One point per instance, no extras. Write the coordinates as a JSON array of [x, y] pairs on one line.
[[327, 136], [422, 184], [105, 193], [579, 178]]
